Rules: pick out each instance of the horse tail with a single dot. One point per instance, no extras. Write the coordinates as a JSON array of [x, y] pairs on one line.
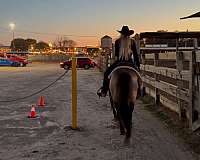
[[124, 88]]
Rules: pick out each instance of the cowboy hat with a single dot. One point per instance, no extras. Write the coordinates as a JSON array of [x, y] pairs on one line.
[[125, 31]]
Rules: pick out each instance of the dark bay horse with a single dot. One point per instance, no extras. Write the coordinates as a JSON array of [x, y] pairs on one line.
[[124, 84]]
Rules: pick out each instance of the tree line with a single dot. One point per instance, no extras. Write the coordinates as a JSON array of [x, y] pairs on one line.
[[20, 44]]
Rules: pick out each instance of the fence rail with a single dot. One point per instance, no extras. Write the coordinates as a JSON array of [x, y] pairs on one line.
[[172, 78]]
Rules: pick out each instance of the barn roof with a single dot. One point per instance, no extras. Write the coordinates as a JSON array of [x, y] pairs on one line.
[[192, 16], [169, 35], [106, 36]]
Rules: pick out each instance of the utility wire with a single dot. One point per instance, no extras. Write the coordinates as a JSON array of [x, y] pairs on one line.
[[33, 94], [43, 33]]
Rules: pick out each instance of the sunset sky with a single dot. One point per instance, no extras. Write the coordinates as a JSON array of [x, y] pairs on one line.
[[94, 18]]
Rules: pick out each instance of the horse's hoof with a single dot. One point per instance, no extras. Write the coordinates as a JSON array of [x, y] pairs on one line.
[[101, 93], [115, 120], [122, 133], [115, 124], [127, 141]]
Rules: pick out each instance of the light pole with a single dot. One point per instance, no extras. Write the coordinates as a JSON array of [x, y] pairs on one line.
[[12, 27]]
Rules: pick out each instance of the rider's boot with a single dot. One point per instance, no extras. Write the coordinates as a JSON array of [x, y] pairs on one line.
[[102, 92], [138, 93]]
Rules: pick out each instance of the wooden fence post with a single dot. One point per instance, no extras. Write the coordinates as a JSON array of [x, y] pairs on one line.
[[142, 57], [191, 89], [179, 68], [157, 95]]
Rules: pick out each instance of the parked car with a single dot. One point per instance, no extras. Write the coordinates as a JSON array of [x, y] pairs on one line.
[[82, 62], [6, 62], [22, 61]]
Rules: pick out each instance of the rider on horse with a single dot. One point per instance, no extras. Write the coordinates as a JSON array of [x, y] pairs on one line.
[[126, 55]]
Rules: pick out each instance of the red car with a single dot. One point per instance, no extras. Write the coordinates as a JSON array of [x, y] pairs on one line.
[[22, 61], [82, 62]]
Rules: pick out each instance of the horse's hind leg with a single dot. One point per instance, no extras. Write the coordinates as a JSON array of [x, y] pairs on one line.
[[127, 118], [121, 123], [113, 107], [127, 139], [128, 125], [122, 130]]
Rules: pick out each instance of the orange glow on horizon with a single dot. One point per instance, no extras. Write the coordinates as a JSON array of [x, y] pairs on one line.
[[173, 25]]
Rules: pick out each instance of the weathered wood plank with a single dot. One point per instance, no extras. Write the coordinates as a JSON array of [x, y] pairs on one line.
[[188, 54], [198, 56], [167, 55], [172, 55], [163, 100], [191, 90], [149, 56], [151, 50], [150, 92], [168, 72], [169, 104], [156, 59], [168, 88], [195, 125], [194, 121]]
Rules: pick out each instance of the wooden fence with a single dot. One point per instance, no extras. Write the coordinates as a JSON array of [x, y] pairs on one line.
[[172, 78], [102, 63], [48, 58]]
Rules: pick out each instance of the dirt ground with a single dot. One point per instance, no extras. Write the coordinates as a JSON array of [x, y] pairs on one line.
[[48, 137]]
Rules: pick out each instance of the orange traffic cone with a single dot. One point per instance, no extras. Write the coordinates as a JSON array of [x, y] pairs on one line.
[[32, 114], [41, 101]]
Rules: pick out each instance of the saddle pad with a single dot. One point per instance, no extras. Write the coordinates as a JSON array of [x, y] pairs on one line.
[[126, 67]]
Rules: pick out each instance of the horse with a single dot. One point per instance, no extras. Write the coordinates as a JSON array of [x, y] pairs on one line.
[[124, 84]]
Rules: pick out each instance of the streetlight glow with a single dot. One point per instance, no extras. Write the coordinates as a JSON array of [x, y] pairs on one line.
[[12, 26], [50, 45]]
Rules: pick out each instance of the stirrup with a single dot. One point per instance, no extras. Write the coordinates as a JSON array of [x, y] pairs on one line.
[[140, 94], [101, 92]]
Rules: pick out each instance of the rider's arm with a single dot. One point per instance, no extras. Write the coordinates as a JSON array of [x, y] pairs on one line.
[[135, 54], [117, 50]]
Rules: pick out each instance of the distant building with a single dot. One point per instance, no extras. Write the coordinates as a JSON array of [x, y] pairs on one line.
[[81, 49], [5, 49], [92, 50], [106, 42]]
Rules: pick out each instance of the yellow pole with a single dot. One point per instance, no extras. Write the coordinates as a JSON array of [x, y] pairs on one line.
[[74, 93]]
